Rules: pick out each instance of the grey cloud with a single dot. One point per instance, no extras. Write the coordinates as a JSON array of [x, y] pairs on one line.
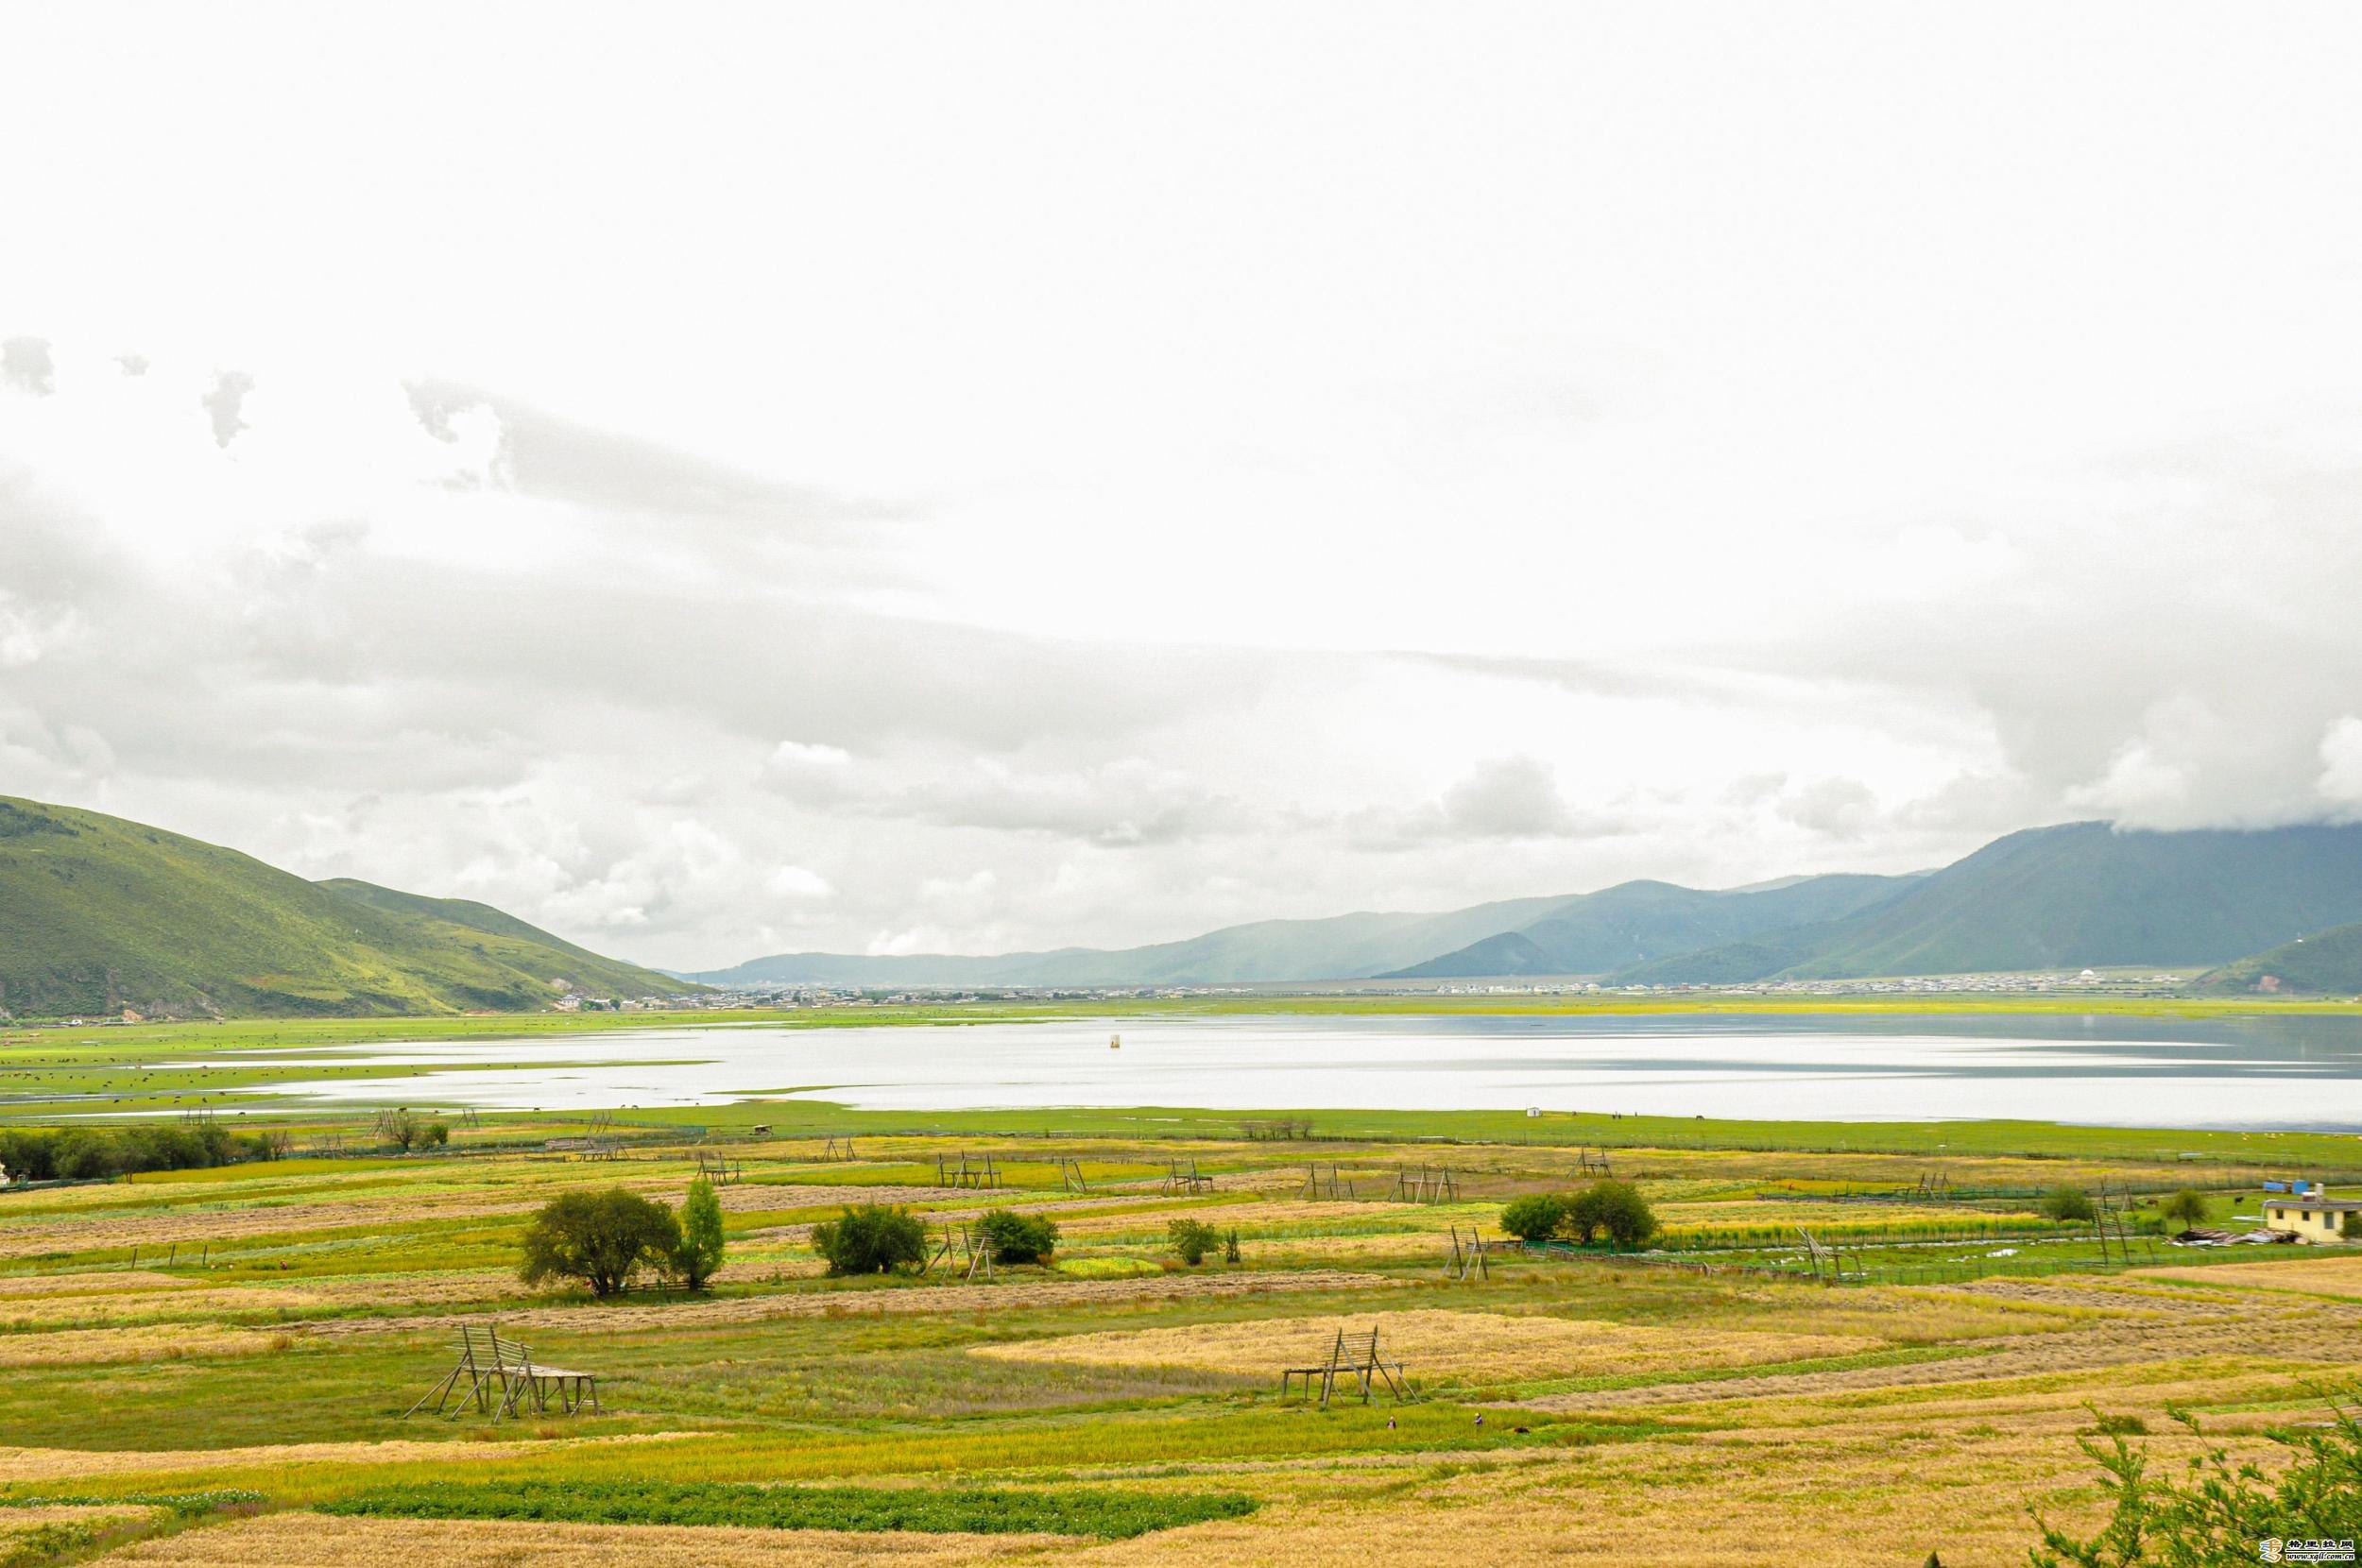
[[542, 454], [1509, 797], [1836, 807], [223, 401], [25, 365]]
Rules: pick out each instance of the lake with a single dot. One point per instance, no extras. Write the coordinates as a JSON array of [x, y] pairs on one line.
[[2288, 1073]]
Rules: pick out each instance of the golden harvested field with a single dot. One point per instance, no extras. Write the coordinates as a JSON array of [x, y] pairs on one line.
[[314, 1541], [79, 1347], [1568, 1407], [1437, 1346], [2333, 1276]]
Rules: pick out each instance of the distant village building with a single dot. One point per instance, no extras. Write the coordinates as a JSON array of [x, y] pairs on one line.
[[2314, 1217]]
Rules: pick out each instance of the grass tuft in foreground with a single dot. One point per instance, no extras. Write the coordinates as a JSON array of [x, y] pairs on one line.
[[1105, 1513]]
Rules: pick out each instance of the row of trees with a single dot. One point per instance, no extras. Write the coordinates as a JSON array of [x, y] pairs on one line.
[[94, 1154], [602, 1239], [1608, 1208]]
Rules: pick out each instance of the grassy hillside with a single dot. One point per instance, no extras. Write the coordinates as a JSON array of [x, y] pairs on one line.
[[97, 913], [2068, 896], [2325, 964]]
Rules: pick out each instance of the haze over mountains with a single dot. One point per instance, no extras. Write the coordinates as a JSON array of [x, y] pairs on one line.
[[2074, 896]]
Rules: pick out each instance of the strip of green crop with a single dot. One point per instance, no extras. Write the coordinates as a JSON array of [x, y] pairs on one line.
[[1109, 1513]]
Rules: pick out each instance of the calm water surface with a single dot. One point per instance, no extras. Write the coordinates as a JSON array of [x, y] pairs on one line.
[[2288, 1073]]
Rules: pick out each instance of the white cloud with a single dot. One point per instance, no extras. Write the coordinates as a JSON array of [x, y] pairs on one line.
[[794, 881], [2341, 764], [1618, 466]]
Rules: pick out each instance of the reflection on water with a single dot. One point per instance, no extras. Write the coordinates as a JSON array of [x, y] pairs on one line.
[[2294, 1073]]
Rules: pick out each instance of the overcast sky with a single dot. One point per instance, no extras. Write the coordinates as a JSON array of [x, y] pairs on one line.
[[718, 481]]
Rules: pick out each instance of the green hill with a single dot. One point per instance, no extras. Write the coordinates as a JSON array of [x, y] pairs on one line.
[[2326, 962], [1634, 922], [98, 914], [2069, 897]]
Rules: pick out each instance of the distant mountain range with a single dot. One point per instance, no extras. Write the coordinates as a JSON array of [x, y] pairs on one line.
[[98, 914], [2070, 896]]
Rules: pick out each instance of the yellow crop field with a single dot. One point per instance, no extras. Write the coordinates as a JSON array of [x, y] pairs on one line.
[[1702, 1400], [1458, 1346], [312, 1541]]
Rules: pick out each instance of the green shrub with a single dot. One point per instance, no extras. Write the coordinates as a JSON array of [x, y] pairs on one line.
[[1536, 1216], [2185, 1208], [700, 1250], [871, 1239], [1019, 1237], [1106, 1513], [2221, 1511], [599, 1239], [1191, 1240], [2064, 1203], [1615, 1209]]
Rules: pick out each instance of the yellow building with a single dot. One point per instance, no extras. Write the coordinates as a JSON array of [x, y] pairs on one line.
[[2315, 1219]]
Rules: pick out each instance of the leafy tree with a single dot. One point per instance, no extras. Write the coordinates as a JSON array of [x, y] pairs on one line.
[[2064, 1203], [437, 1134], [2220, 1513], [1019, 1237], [1191, 1240], [1230, 1242], [407, 1129], [1536, 1216], [2185, 1208], [700, 1252], [1616, 1208], [872, 1238], [599, 1239]]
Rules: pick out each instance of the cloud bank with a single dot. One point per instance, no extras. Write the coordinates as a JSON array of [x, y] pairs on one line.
[[1476, 472]]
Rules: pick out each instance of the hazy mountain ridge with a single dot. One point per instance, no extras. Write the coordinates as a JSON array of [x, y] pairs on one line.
[[2071, 895], [1634, 922], [97, 913], [2080, 895]]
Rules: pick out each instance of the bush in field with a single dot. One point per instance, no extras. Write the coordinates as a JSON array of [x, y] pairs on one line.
[[408, 1129], [1019, 1237], [2184, 1209], [2220, 1511], [700, 1250], [599, 1239], [2063, 1204], [1191, 1240], [1615, 1209], [1536, 1216], [872, 1238]]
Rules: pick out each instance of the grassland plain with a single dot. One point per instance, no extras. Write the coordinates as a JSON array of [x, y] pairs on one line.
[[256, 1331]]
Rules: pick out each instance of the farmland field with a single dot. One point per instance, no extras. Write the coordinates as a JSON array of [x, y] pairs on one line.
[[210, 1367]]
